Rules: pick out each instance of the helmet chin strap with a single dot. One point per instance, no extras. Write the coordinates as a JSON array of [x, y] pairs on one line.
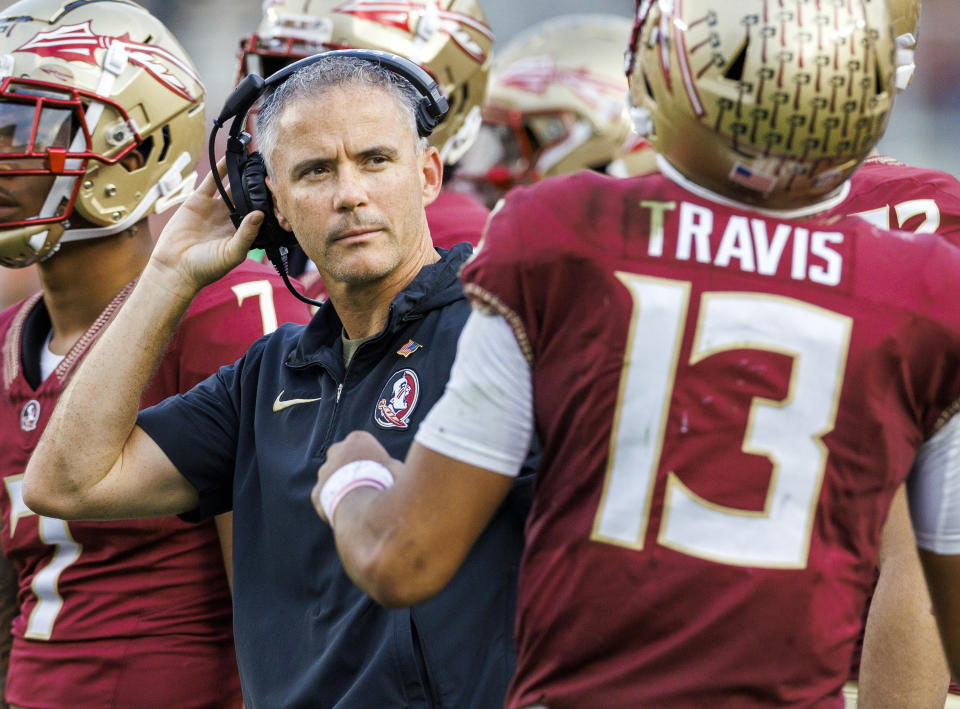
[[172, 188], [641, 119], [39, 239]]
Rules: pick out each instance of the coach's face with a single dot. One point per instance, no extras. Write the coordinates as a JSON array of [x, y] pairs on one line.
[[350, 185]]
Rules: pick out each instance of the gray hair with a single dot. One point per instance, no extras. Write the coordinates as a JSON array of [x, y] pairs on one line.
[[314, 80]]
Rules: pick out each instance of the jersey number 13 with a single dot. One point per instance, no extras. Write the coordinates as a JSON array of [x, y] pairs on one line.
[[787, 432]]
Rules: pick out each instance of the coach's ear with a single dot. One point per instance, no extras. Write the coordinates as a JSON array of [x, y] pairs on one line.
[[431, 174]]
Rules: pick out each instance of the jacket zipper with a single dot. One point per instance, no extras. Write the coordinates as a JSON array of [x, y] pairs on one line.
[[333, 419], [429, 692]]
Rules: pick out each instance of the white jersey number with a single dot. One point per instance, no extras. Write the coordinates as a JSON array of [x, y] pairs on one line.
[[905, 211], [263, 292], [787, 432], [46, 580]]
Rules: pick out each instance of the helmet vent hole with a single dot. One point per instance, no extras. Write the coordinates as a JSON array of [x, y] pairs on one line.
[[457, 99], [646, 85], [166, 143], [735, 71], [462, 100], [145, 148]]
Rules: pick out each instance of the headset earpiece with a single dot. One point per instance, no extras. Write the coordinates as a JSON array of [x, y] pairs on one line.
[[257, 196], [425, 119], [248, 182], [255, 184]]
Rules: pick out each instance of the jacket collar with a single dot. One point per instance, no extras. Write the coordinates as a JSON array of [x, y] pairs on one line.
[[436, 286]]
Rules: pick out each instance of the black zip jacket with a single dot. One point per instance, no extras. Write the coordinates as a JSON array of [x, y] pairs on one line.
[[251, 439]]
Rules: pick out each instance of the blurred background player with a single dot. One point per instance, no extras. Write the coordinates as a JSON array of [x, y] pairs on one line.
[[449, 38], [709, 508], [555, 105], [888, 193], [101, 125], [902, 662]]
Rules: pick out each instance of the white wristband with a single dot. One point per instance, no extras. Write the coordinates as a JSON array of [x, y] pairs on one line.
[[347, 478]]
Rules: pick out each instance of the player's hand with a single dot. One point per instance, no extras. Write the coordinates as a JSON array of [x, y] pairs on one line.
[[199, 244], [358, 445]]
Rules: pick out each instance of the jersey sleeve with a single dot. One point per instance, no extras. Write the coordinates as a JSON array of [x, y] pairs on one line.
[[455, 217], [934, 488], [934, 348], [528, 267], [485, 416], [198, 433]]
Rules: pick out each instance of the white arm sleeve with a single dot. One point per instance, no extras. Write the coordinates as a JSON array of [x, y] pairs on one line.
[[485, 416], [934, 491]]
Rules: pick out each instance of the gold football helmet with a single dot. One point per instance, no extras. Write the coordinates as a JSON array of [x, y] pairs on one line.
[[101, 123], [905, 16], [448, 38], [556, 103], [772, 103]]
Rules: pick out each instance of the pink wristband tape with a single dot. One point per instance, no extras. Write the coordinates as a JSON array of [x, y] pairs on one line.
[[346, 479]]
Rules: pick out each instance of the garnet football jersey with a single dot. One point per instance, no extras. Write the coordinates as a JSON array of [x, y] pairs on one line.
[[891, 195], [143, 585], [455, 217], [727, 402]]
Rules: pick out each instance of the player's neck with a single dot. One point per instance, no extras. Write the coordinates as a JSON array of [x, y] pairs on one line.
[[81, 279]]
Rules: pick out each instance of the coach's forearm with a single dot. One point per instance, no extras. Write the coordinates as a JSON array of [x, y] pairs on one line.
[[98, 410]]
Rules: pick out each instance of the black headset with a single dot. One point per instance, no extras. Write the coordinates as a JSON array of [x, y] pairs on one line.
[[246, 170]]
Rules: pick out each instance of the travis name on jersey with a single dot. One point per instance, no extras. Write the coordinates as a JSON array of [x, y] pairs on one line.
[[753, 244]]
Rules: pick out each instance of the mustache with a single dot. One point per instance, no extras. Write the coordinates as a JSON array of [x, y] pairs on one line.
[[342, 229]]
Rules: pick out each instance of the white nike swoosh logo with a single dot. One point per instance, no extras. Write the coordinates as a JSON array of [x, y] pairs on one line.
[[281, 405]]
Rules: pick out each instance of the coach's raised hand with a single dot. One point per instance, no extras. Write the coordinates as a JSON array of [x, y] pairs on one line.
[[200, 244]]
